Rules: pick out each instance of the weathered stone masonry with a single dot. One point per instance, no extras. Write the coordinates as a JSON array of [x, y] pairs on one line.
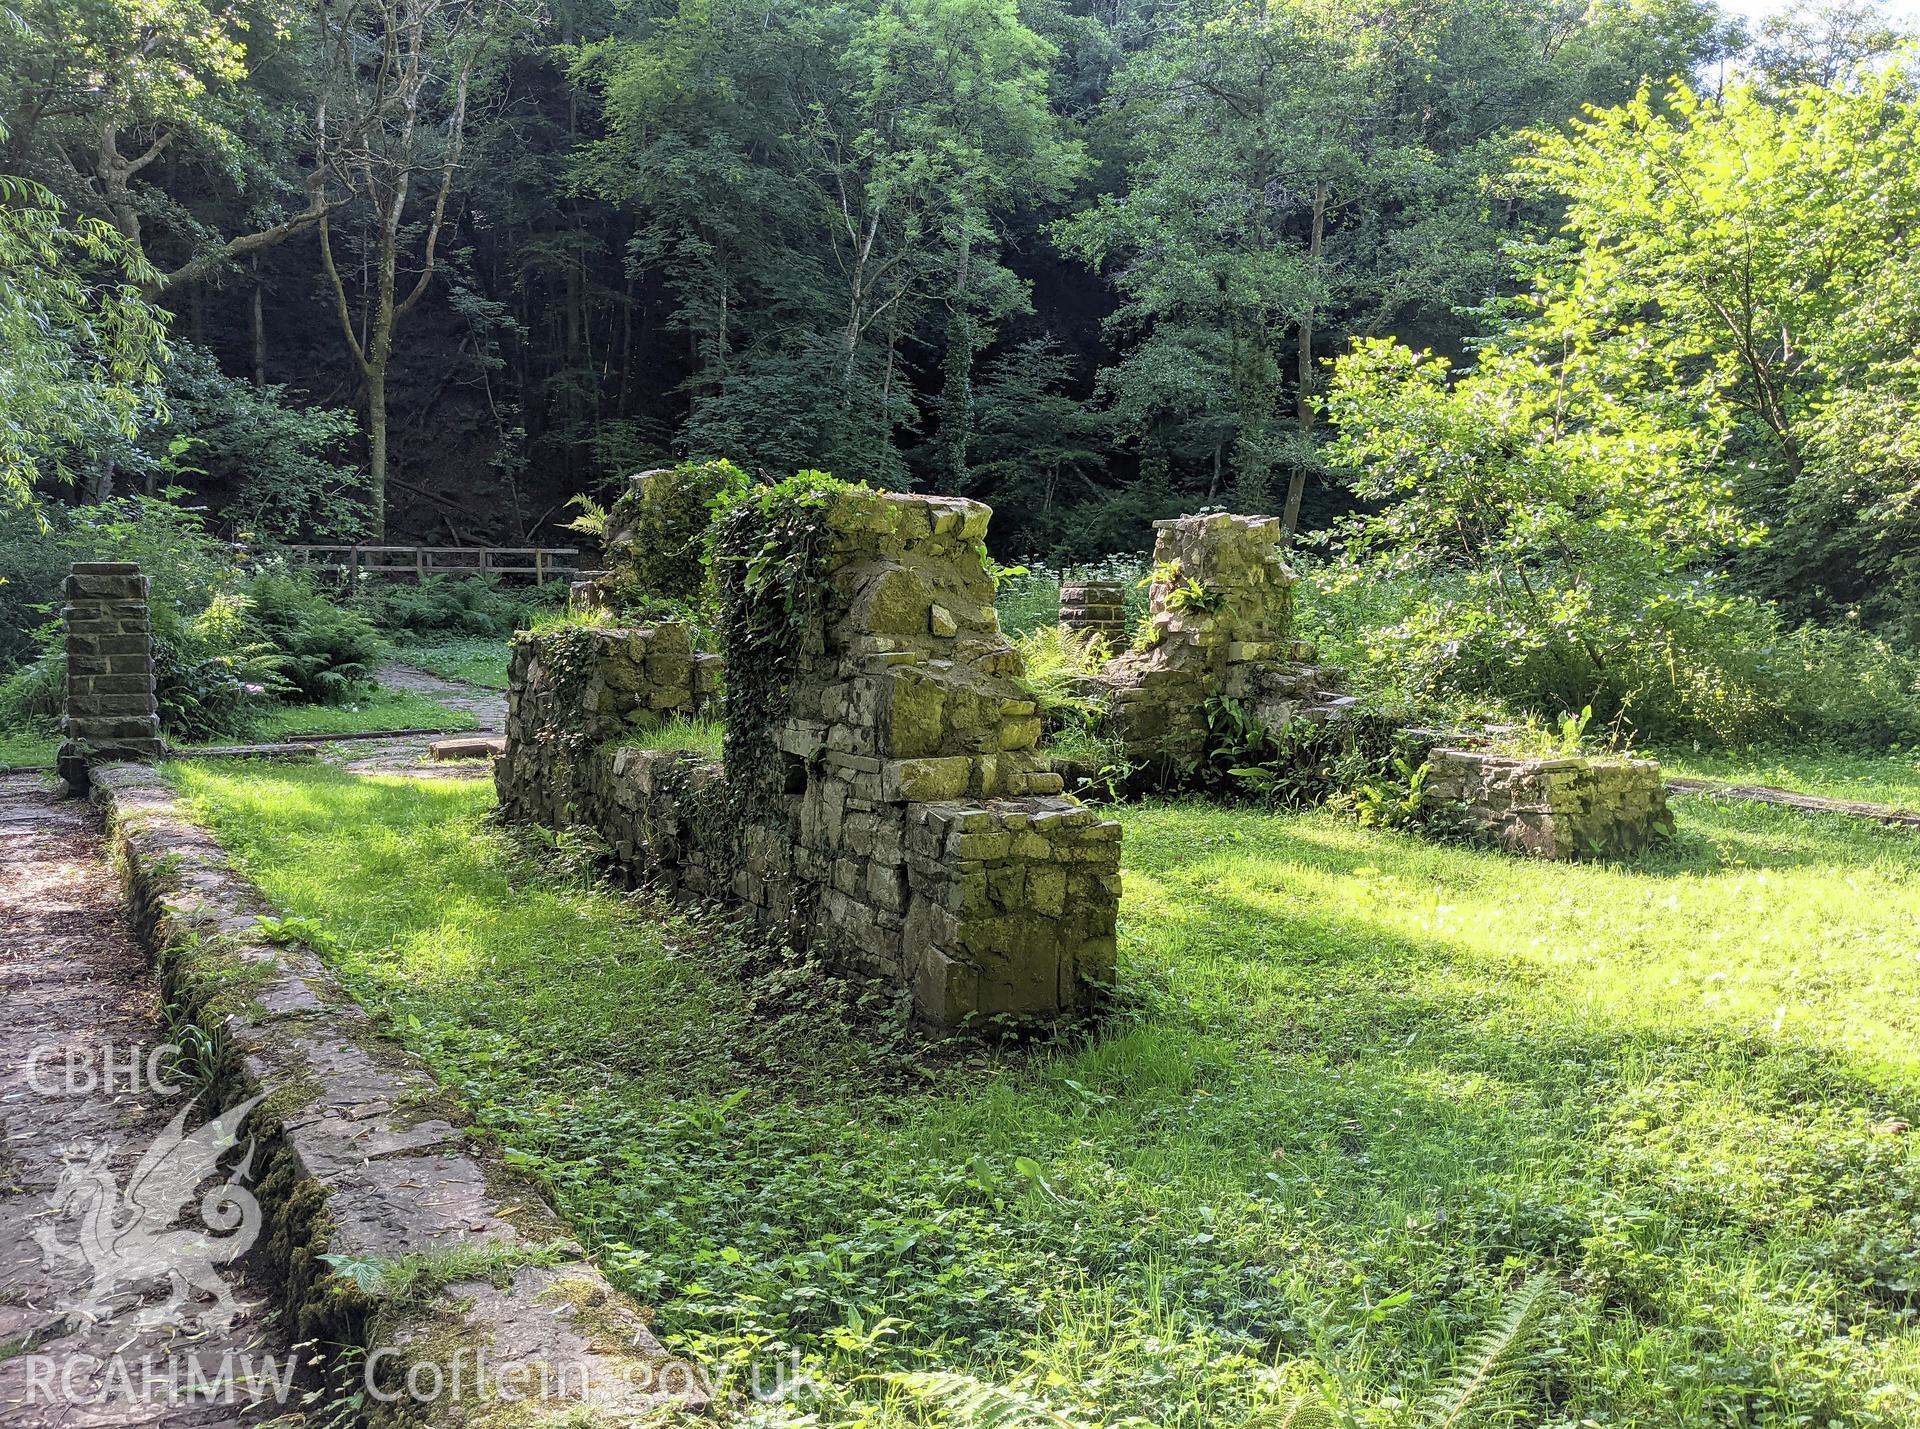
[[1554, 808], [1222, 612], [916, 834], [1222, 618], [111, 710], [1095, 608]]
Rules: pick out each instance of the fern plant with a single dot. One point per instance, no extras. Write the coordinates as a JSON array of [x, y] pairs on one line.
[[978, 1403], [1487, 1387], [592, 520], [1056, 660], [1489, 1383]]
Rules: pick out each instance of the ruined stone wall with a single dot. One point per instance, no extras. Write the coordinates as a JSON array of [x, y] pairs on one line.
[[1222, 620], [1555, 807], [581, 688], [112, 712], [1095, 608], [913, 831]]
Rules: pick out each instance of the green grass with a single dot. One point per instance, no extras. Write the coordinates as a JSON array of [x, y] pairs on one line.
[[1892, 779], [23, 748], [476, 659], [699, 736], [367, 712], [1356, 1089]]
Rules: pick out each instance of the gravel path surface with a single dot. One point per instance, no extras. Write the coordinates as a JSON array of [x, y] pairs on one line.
[[91, 1331], [408, 754]]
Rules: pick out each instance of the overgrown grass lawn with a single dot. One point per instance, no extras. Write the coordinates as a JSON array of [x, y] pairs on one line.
[[1892, 779], [21, 749], [477, 659], [367, 712], [1356, 1089]]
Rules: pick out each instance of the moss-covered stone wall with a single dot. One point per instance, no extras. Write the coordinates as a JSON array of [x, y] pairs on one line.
[[895, 812], [1553, 807], [1222, 622]]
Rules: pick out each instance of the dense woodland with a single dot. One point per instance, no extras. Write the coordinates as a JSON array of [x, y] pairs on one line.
[[1593, 321]]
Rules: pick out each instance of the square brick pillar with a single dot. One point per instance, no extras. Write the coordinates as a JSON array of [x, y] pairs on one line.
[[111, 713]]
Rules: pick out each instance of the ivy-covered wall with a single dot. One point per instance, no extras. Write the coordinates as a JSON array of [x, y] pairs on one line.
[[881, 796]]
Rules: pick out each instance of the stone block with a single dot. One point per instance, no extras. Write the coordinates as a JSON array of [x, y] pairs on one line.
[[1553, 808]]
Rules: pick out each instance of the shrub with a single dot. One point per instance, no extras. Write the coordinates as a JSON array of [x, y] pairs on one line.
[[210, 668], [30, 697], [32, 566], [210, 660], [1056, 660], [1679, 660], [1846, 686], [285, 465], [324, 648], [459, 604], [224, 637]]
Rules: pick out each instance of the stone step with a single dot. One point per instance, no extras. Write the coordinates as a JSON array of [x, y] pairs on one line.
[[475, 747]]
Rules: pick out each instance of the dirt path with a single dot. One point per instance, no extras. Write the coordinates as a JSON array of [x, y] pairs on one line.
[[487, 706], [77, 1007], [408, 754]]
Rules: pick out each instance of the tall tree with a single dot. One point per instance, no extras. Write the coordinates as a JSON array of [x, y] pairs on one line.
[[403, 71], [1761, 248], [1302, 170], [815, 182], [100, 96], [79, 347]]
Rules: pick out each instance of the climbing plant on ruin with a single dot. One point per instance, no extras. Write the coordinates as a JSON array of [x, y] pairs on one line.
[[770, 561]]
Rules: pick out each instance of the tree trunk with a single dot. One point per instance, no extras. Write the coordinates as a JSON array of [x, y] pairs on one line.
[[259, 330], [377, 451], [1304, 371]]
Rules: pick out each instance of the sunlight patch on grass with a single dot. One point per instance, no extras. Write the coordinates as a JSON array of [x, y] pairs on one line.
[[1892, 779], [367, 712], [476, 659]]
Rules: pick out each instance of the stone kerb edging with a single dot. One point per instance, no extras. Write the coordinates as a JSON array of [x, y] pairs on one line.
[[360, 1156]]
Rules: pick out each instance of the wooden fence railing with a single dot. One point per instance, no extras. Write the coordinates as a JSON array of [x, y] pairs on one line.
[[541, 562]]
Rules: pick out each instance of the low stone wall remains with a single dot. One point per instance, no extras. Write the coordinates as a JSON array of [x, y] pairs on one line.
[[1222, 619], [1554, 807], [894, 813], [361, 1159]]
